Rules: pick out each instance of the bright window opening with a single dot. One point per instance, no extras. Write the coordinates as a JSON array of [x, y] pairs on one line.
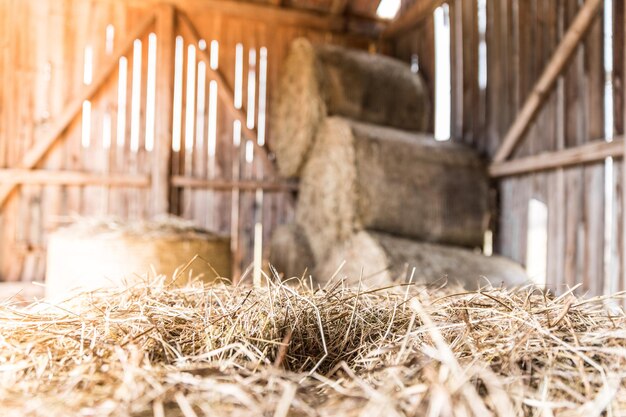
[[537, 241], [109, 37], [88, 66], [482, 44], [238, 99], [86, 124], [442, 73], [611, 256], [388, 9], [177, 106], [151, 92], [249, 151], [488, 243], [190, 112], [215, 54], [135, 109], [262, 95]]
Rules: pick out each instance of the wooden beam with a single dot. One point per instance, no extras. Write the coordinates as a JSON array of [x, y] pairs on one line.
[[228, 185], [48, 177], [553, 69], [338, 7], [161, 155], [416, 14], [268, 13], [585, 154], [40, 149]]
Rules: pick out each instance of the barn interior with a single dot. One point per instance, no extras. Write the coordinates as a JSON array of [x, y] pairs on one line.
[[312, 207]]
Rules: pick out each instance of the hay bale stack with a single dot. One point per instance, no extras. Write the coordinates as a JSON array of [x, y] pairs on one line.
[[384, 259], [362, 176], [290, 252], [94, 253], [320, 81]]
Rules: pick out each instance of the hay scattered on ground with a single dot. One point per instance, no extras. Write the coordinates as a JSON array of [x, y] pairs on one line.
[[289, 350]]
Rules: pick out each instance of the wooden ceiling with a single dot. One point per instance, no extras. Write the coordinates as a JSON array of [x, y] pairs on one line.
[[360, 8]]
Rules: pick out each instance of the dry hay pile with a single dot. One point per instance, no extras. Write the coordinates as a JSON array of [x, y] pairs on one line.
[[288, 350], [108, 250]]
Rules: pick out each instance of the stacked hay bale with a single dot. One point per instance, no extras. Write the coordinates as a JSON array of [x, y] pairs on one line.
[[110, 252], [324, 80], [374, 191]]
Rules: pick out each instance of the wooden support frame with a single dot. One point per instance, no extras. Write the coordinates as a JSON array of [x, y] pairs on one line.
[[547, 80], [417, 13], [585, 154], [72, 178], [43, 146], [240, 185], [161, 157], [623, 271]]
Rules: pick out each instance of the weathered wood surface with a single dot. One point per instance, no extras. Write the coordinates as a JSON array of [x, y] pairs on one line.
[[561, 159], [116, 167]]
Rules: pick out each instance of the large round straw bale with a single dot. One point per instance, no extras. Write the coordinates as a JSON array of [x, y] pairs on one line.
[[362, 176], [96, 253], [381, 259], [298, 109], [318, 81], [290, 253]]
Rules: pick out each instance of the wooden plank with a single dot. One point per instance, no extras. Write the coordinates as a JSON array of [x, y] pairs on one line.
[[244, 10], [594, 151], [560, 58], [162, 152], [416, 14], [241, 185], [623, 277], [75, 178], [34, 155]]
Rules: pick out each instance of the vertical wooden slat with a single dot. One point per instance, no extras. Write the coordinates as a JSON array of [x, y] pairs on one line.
[[161, 155]]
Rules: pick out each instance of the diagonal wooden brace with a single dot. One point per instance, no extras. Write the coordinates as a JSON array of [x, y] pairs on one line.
[[43, 146]]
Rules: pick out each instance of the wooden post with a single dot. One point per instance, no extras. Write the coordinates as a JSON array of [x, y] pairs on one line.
[[624, 170], [550, 74], [161, 155]]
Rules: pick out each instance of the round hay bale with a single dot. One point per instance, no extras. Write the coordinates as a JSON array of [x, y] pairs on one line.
[[298, 109], [98, 253], [361, 176], [320, 81], [382, 259], [290, 253]]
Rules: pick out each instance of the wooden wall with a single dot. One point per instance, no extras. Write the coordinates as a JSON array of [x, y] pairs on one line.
[[521, 36], [104, 166]]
